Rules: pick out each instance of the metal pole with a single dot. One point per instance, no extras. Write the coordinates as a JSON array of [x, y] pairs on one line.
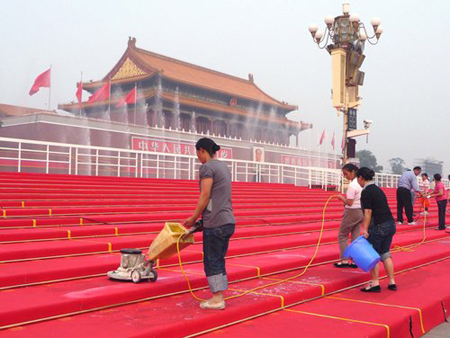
[[136, 165], [118, 165], [295, 176], [70, 161], [96, 161], [19, 164], [345, 127], [309, 178], [47, 159], [76, 161], [344, 155], [157, 166]]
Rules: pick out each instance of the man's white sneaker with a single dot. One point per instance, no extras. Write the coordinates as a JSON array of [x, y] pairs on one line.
[[399, 223], [207, 304], [412, 223]]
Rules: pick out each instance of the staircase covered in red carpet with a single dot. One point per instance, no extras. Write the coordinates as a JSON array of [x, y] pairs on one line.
[[61, 234]]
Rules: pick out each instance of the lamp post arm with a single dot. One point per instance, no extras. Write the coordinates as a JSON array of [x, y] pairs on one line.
[[327, 35], [369, 38], [356, 133]]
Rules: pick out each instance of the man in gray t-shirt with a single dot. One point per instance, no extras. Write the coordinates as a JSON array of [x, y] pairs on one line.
[[219, 210]]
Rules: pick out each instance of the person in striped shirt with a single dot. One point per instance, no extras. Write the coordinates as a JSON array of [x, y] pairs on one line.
[[424, 187]]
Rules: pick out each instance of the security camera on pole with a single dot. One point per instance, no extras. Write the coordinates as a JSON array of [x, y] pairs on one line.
[[344, 39]]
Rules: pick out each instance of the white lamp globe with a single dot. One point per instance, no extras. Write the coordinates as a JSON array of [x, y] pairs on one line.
[[319, 35], [354, 17], [329, 20], [313, 28], [375, 21]]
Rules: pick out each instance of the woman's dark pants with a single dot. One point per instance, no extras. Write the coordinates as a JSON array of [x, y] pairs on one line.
[[442, 205], [215, 246]]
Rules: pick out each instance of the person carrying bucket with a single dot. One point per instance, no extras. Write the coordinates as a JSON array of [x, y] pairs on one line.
[[214, 204], [353, 214], [378, 227]]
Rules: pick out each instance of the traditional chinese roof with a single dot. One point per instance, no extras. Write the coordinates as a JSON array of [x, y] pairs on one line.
[[11, 110], [138, 64]]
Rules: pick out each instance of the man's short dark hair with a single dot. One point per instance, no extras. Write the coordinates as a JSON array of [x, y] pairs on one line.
[[417, 168]]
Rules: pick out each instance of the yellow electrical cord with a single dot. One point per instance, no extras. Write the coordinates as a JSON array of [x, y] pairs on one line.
[[410, 248], [266, 285], [396, 248]]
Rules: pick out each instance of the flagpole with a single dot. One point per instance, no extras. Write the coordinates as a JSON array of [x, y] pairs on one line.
[[325, 152], [50, 90], [81, 99], [109, 99], [311, 149], [135, 102], [324, 137], [334, 149], [320, 154]]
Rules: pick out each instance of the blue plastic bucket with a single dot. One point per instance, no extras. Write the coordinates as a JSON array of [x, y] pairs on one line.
[[362, 253]]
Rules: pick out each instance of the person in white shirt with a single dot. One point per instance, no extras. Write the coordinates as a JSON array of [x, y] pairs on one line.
[[353, 214]]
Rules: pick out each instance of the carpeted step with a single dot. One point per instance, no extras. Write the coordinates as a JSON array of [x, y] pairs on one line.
[[46, 249], [36, 271], [180, 315], [409, 311]]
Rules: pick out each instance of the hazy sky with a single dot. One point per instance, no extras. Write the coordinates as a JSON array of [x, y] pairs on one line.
[[407, 74]]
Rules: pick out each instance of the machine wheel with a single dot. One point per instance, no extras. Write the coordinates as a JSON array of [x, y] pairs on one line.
[[155, 276], [136, 276]]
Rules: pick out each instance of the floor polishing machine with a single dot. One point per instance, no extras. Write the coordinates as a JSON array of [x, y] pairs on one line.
[[135, 266]]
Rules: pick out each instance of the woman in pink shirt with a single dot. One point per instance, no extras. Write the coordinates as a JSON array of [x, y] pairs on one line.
[[440, 195]]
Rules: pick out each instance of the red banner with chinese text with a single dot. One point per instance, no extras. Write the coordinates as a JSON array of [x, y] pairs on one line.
[[173, 147]]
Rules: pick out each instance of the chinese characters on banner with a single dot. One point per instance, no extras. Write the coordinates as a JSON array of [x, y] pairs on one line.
[[293, 160], [169, 147], [307, 162]]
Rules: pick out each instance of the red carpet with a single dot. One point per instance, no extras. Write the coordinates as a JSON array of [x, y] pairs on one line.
[[60, 235], [355, 314]]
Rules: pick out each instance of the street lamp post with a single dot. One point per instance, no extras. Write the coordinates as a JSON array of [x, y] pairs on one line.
[[344, 38]]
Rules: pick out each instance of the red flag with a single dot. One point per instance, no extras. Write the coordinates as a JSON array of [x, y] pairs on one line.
[[79, 93], [42, 80], [322, 138], [130, 98], [332, 140], [101, 94]]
